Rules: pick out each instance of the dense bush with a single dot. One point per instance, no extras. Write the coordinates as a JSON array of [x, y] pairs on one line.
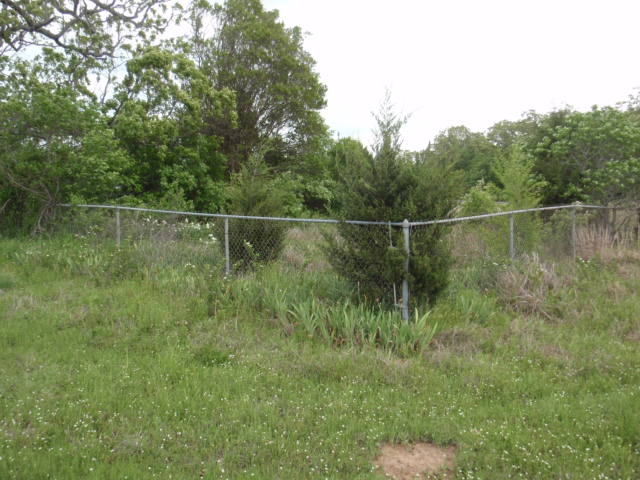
[[254, 193], [391, 186], [518, 188]]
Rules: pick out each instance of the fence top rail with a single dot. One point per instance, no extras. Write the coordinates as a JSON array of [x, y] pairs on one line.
[[352, 222], [514, 212], [223, 215]]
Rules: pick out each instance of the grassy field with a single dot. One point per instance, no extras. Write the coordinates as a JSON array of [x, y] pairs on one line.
[[115, 365]]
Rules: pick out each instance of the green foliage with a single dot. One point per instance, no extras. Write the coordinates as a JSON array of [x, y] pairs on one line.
[[390, 186], [518, 188], [358, 325], [567, 145], [278, 93], [469, 151], [160, 115], [518, 394], [490, 235], [521, 189], [308, 170], [480, 199], [209, 356], [54, 146], [618, 182], [91, 29], [254, 193]]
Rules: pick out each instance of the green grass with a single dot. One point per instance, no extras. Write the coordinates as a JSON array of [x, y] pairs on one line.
[[115, 366]]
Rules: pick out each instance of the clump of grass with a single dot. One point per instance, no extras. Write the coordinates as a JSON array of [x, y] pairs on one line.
[[598, 241], [528, 284], [347, 324], [6, 283], [102, 262], [208, 356]]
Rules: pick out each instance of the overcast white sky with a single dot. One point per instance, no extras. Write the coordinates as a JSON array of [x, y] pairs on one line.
[[466, 62]]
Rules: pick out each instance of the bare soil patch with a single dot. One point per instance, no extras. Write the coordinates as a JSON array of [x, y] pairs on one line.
[[418, 460]]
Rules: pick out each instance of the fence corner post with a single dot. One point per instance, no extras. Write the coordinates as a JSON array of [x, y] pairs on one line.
[[406, 230], [227, 258], [638, 226], [118, 231], [574, 253], [512, 239]]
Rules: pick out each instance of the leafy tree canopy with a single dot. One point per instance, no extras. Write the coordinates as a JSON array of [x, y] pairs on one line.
[[470, 151], [54, 146], [89, 28], [567, 144], [160, 114], [617, 183], [278, 93]]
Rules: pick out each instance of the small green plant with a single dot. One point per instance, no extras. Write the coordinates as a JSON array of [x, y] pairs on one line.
[[254, 193], [5, 282], [518, 188], [209, 356], [347, 324]]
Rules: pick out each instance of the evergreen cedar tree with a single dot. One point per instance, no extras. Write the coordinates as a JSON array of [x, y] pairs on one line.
[[389, 185]]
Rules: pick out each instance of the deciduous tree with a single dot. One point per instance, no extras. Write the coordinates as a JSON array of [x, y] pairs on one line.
[[278, 92], [55, 145], [160, 114], [90, 28]]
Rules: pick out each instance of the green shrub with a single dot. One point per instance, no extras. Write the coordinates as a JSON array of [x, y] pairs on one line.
[[209, 356], [254, 193], [519, 188], [391, 186]]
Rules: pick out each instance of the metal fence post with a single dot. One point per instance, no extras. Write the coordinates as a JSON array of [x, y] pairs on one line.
[[227, 259], [573, 234], [118, 233], [406, 230], [638, 226], [512, 240]]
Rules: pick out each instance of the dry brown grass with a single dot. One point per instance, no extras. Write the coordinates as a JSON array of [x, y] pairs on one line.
[[466, 243], [303, 250], [596, 241], [633, 336], [525, 287], [528, 333], [456, 343]]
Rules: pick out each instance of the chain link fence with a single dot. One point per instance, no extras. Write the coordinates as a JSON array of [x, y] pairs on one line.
[[238, 245]]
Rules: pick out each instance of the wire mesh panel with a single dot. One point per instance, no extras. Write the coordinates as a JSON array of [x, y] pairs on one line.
[[371, 258], [93, 225], [146, 240], [250, 242], [171, 240], [365, 260], [605, 232], [487, 238], [305, 247]]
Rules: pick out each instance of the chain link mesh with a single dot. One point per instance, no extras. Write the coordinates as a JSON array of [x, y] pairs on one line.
[[370, 257]]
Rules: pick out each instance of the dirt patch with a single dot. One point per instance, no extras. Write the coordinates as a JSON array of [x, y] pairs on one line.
[[418, 460]]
